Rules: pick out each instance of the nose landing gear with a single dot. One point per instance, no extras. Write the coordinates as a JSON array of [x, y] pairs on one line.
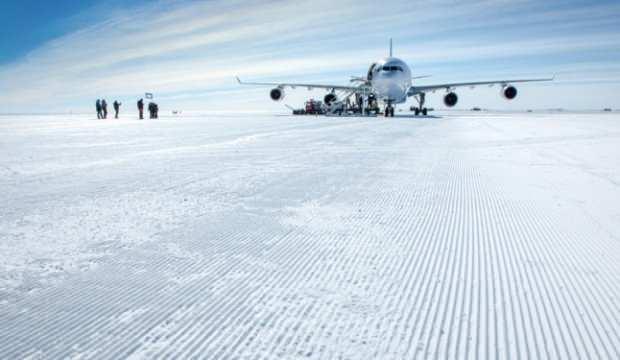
[[389, 110]]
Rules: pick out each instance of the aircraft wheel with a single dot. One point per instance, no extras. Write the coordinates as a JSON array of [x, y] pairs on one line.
[[424, 111], [417, 111]]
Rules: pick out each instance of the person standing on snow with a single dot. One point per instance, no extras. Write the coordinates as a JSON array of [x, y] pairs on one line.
[[141, 108], [151, 110], [117, 107], [98, 106], [104, 107]]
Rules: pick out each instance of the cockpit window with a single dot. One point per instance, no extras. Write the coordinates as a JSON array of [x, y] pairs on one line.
[[391, 68]]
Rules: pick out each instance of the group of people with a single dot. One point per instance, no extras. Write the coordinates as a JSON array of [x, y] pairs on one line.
[[153, 109], [102, 109]]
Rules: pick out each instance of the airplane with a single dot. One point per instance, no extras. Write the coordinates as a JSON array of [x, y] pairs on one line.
[[389, 81]]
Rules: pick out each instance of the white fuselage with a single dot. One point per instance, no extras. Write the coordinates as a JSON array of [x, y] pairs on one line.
[[390, 79]]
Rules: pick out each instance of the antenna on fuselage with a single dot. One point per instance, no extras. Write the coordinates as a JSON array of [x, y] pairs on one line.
[[390, 47]]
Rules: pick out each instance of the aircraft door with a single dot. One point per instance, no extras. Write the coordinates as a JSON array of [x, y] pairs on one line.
[[370, 71]]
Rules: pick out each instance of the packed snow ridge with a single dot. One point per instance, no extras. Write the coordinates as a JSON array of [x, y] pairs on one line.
[[468, 235]]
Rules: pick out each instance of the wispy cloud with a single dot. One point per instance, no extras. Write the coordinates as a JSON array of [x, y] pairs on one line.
[[181, 50]]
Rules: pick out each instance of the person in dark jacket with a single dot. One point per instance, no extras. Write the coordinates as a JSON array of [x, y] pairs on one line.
[[156, 110], [104, 107], [98, 106], [141, 108], [117, 106], [151, 110]]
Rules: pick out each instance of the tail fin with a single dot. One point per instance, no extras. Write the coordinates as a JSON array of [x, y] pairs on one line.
[[390, 47]]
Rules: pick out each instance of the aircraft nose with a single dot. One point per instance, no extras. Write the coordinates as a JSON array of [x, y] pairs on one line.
[[395, 88]]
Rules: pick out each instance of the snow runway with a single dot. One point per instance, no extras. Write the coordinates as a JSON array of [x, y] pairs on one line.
[[245, 236]]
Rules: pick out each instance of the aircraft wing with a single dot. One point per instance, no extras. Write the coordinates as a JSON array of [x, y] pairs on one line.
[[414, 90], [294, 85]]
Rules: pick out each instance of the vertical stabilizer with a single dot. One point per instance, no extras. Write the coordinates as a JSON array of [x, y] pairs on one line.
[[390, 47]]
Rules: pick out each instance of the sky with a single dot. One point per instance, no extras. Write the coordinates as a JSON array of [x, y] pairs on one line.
[[61, 56]]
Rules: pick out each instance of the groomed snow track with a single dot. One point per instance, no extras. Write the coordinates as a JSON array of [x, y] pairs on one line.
[[486, 236]]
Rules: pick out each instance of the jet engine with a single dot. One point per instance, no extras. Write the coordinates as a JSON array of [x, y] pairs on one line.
[[330, 98], [450, 99], [277, 94], [509, 92]]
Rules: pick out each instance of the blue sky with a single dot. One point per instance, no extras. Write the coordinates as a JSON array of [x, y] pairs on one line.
[[31, 23], [61, 55]]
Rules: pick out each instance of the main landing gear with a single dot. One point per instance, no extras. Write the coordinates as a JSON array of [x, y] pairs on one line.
[[420, 109]]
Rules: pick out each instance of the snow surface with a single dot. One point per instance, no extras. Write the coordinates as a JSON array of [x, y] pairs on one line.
[[469, 235]]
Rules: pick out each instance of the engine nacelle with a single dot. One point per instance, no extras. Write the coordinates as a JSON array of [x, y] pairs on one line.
[[450, 99], [276, 94], [509, 92], [330, 99]]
